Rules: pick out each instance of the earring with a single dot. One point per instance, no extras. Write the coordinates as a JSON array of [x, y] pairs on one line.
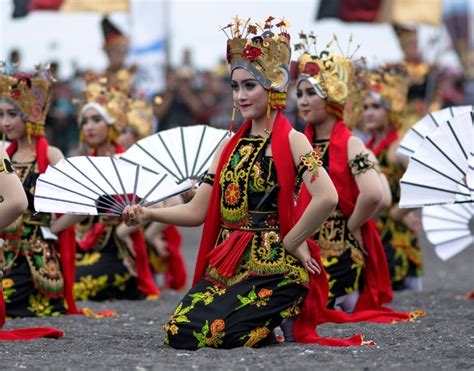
[[232, 120], [267, 120]]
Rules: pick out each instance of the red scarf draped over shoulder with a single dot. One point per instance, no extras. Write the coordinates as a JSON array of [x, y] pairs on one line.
[[377, 287], [34, 332], [316, 299], [391, 137], [144, 276]]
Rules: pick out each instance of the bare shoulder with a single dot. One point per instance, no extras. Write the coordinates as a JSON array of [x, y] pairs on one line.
[[355, 146], [299, 144], [54, 155], [299, 141]]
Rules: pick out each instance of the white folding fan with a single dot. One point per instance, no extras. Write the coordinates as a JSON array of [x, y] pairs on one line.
[[101, 186], [450, 228], [427, 125], [183, 152], [441, 169]]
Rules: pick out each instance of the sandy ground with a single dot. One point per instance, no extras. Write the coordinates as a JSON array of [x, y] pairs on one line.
[[442, 340]]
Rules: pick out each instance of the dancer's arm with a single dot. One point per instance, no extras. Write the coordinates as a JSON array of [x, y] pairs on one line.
[[386, 200], [323, 201], [191, 214], [12, 194], [368, 182]]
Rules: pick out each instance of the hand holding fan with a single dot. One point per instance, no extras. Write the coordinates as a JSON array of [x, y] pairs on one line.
[[101, 186], [184, 152]]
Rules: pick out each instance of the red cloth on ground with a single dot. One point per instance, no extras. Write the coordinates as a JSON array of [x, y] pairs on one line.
[[377, 287], [315, 302]]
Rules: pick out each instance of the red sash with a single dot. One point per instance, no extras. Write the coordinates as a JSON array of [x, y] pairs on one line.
[[391, 137]]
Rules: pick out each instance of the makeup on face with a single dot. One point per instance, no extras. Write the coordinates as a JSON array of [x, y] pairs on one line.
[[11, 121], [374, 116], [94, 127], [311, 107], [250, 97]]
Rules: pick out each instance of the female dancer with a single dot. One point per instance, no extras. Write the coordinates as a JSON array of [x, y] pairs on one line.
[[163, 241], [383, 107], [111, 265], [352, 253], [36, 280], [13, 203], [322, 90], [254, 265]]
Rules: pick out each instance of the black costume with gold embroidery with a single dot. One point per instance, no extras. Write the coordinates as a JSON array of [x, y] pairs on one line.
[[340, 252], [267, 285], [105, 270], [33, 283]]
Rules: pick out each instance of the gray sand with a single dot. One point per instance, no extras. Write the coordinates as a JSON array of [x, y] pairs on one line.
[[443, 339]]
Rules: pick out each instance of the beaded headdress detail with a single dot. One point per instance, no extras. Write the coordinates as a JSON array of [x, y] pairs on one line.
[[30, 93], [113, 99], [329, 73], [266, 55], [140, 117], [389, 84]]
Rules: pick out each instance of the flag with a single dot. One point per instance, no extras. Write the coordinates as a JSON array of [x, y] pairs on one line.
[[23, 7], [149, 44], [388, 11]]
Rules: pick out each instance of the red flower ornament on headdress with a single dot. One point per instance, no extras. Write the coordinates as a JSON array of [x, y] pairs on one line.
[[251, 53]]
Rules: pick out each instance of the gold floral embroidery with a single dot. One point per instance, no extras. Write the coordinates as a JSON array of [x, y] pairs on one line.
[[89, 287], [40, 306], [259, 300], [234, 181], [293, 310], [313, 162], [216, 331], [88, 259], [120, 281], [256, 335], [8, 289]]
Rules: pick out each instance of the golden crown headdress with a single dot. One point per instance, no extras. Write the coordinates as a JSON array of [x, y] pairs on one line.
[[30, 93], [391, 82], [140, 117], [354, 106], [265, 56], [113, 99], [329, 73]]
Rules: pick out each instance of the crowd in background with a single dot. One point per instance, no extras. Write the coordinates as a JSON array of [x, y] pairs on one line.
[[195, 96]]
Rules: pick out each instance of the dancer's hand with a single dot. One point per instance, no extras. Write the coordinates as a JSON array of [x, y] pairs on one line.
[[413, 222], [135, 215], [303, 253], [357, 234]]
